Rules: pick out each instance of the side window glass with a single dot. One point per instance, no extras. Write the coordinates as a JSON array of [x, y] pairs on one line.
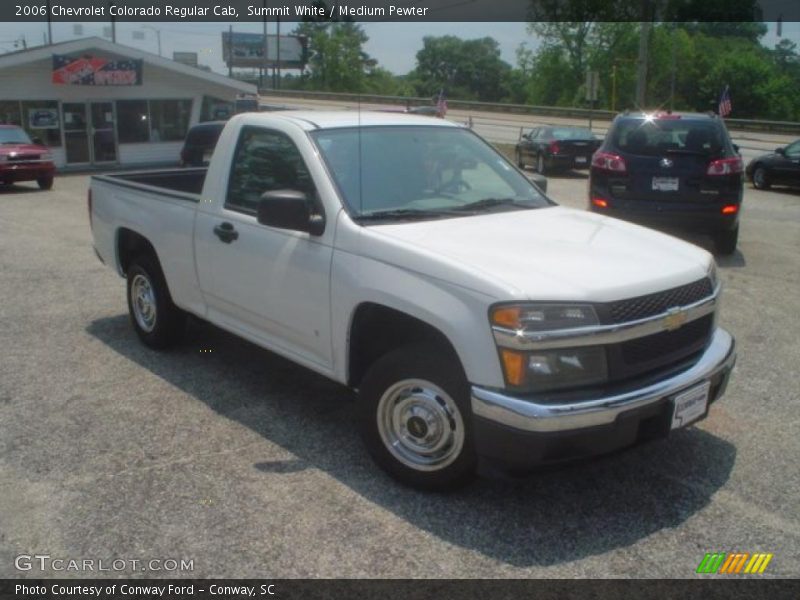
[[265, 161], [792, 150]]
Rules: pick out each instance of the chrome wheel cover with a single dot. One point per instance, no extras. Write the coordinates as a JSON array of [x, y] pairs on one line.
[[759, 177], [420, 425], [143, 301]]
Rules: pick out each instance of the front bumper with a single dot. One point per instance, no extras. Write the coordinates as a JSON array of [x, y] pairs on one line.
[[519, 432], [11, 173]]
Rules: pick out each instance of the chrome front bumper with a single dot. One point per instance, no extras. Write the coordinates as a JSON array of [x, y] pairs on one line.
[[527, 415]]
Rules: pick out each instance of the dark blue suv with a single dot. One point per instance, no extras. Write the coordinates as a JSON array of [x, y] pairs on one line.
[[674, 171]]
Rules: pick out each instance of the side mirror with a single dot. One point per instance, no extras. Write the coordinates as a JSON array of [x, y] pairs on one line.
[[736, 148], [526, 136], [778, 150], [38, 141], [289, 209]]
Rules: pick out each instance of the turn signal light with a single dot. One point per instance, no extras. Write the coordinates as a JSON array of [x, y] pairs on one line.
[[725, 166], [513, 366], [600, 202]]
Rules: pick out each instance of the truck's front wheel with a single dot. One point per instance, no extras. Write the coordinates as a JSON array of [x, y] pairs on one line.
[[157, 321], [415, 418]]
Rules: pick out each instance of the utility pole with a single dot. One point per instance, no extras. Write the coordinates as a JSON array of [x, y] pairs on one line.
[[266, 48], [113, 22], [230, 51], [49, 25], [158, 35], [278, 39]]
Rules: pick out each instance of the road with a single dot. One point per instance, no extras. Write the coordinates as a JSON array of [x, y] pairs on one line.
[[227, 455], [506, 128]]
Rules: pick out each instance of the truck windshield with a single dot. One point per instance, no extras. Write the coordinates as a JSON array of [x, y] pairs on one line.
[[422, 172], [13, 135]]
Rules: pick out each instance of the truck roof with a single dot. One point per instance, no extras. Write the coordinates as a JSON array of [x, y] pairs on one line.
[[314, 119]]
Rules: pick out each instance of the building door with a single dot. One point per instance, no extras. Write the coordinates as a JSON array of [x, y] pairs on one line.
[[76, 133], [104, 137]]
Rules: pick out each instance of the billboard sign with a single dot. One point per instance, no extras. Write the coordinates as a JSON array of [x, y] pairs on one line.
[[248, 50], [90, 70], [186, 58]]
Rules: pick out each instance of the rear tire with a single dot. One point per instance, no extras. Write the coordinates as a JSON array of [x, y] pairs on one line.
[[541, 165], [415, 418], [760, 178], [155, 318], [45, 183], [725, 242], [520, 162]]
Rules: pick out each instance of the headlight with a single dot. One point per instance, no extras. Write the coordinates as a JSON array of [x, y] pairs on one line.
[[549, 369], [712, 274]]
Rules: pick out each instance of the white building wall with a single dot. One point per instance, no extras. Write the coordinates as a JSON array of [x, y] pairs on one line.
[[32, 81]]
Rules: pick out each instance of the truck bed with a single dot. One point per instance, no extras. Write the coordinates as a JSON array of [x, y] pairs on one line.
[[165, 181]]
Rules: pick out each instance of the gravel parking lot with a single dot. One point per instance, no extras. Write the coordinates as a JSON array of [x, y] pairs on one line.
[[226, 455]]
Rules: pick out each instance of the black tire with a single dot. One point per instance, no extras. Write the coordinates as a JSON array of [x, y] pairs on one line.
[[761, 178], [45, 183], [520, 162], [168, 321], [541, 164], [725, 242], [438, 380]]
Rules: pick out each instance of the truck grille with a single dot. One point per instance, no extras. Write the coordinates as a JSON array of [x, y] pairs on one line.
[[664, 350], [23, 157], [642, 307]]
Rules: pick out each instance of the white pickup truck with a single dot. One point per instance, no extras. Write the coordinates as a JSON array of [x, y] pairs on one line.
[[405, 257]]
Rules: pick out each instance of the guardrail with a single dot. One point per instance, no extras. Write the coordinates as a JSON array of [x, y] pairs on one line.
[[784, 127]]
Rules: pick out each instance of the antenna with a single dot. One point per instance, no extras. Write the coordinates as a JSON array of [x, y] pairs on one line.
[[360, 165]]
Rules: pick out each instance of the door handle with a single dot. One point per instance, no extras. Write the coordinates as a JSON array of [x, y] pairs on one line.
[[226, 232]]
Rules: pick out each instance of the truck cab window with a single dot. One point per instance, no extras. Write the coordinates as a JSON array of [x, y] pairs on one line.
[[265, 161]]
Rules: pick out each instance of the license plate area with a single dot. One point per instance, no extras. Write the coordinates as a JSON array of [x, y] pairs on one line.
[[690, 405], [581, 160], [665, 184]]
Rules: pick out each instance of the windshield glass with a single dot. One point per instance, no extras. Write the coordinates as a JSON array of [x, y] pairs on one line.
[[655, 137], [13, 135], [424, 171]]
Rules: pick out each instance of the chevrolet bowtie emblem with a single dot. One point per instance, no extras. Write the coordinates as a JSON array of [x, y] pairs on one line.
[[675, 318]]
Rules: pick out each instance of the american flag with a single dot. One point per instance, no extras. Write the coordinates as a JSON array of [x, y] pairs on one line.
[[725, 105], [441, 104]]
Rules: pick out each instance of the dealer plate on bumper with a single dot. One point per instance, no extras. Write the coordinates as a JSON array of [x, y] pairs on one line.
[[690, 405]]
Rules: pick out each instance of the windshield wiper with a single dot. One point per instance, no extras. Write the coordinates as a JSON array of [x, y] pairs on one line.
[[403, 213], [487, 203]]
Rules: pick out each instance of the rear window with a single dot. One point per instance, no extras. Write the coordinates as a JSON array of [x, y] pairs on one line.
[[652, 137], [204, 136], [572, 133]]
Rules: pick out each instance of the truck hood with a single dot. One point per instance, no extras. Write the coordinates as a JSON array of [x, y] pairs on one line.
[[552, 253]]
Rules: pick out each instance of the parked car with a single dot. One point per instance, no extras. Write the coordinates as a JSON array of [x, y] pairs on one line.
[[200, 142], [407, 258], [556, 148], [428, 111], [673, 171], [782, 167], [23, 159]]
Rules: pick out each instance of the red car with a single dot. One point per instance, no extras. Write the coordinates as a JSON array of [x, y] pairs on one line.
[[24, 160]]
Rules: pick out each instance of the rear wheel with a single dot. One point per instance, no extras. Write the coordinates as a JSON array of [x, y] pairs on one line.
[[155, 318], [45, 183], [414, 417], [520, 162], [760, 178], [725, 242], [540, 164]]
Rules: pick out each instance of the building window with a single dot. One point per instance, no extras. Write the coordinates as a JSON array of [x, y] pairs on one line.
[[40, 118], [214, 109], [169, 120], [132, 121], [9, 112]]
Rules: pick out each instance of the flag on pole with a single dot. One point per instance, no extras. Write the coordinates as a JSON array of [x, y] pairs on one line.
[[725, 105], [441, 104]]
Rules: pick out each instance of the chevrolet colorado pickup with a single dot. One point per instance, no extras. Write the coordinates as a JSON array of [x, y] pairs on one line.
[[405, 257]]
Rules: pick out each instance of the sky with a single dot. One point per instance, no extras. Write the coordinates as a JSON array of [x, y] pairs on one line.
[[394, 45]]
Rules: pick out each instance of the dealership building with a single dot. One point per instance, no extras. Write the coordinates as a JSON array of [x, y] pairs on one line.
[[98, 103]]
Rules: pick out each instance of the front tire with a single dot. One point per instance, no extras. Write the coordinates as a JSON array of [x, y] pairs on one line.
[[45, 183], [725, 242], [155, 318], [760, 178], [541, 166], [415, 418]]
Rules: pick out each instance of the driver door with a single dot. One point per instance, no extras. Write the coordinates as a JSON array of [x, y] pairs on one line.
[[270, 285]]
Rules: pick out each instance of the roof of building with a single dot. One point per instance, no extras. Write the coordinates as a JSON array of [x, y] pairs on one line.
[[21, 57]]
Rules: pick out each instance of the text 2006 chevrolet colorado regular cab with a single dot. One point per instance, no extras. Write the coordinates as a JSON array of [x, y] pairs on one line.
[[405, 257]]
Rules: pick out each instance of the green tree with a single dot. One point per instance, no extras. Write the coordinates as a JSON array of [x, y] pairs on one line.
[[467, 69], [337, 61]]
